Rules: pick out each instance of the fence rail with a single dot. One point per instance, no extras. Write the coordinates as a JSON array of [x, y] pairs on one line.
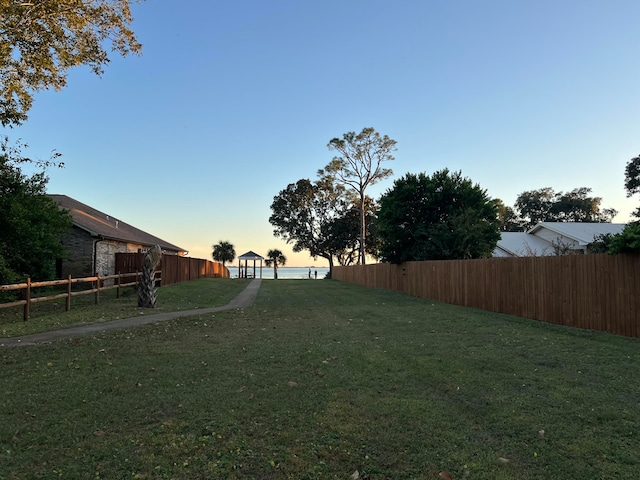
[[97, 287], [596, 292], [172, 269]]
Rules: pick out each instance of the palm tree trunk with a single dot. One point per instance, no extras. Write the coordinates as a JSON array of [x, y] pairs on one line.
[[147, 288], [147, 284]]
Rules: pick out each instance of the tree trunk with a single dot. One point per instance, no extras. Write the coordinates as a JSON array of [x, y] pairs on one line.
[[363, 229], [147, 288], [330, 258], [147, 285]]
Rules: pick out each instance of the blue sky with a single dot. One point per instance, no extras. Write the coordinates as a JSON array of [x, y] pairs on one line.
[[232, 101]]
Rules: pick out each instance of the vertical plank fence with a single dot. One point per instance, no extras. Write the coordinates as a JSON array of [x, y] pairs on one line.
[[596, 292], [175, 269]]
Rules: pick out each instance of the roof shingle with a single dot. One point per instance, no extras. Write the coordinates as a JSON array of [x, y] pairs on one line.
[[99, 224]]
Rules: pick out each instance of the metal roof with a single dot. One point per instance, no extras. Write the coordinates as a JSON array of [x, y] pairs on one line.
[[99, 224], [529, 243], [582, 232], [523, 244]]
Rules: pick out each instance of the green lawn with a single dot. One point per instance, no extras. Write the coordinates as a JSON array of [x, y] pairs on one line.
[[51, 315], [319, 380]]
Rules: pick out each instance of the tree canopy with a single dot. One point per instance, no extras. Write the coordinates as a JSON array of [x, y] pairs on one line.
[[302, 214], [357, 166], [439, 217], [275, 258], [507, 217], [31, 223], [223, 252], [40, 40], [546, 205], [534, 206], [632, 180], [628, 241], [344, 231]]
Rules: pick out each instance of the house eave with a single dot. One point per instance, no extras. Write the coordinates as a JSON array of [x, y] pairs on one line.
[[88, 230]]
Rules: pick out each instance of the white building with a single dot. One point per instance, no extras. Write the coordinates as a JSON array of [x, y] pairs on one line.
[[550, 238]]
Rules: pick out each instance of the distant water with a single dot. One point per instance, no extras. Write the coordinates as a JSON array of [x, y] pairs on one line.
[[283, 272]]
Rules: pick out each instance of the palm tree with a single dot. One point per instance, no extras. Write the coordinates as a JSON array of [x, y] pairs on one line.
[[276, 258], [147, 286], [223, 252]]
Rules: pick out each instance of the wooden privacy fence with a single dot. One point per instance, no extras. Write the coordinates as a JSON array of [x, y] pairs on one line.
[[597, 292], [175, 269], [96, 287]]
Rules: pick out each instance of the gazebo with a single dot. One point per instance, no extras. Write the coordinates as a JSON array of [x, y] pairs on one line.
[[246, 257]]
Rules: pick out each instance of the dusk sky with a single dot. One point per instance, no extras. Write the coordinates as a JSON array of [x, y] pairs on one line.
[[232, 101]]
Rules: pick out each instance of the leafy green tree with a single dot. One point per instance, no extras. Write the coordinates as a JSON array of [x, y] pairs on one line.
[[40, 40], [628, 241], [545, 205], [303, 215], [578, 206], [275, 258], [344, 232], [632, 180], [535, 206], [223, 252], [31, 223], [439, 217], [601, 243], [357, 166], [507, 217]]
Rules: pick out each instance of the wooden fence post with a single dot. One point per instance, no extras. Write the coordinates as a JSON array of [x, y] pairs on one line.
[[69, 293], [118, 290], [98, 290], [25, 315]]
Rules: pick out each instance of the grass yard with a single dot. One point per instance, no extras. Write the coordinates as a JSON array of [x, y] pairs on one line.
[[319, 380], [51, 315]]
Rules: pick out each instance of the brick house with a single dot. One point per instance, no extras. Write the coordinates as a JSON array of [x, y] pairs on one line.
[[96, 237]]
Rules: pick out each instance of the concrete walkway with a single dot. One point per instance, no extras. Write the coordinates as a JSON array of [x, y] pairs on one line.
[[243, 299]]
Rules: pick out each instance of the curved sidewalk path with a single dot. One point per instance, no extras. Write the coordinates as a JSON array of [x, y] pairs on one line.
[[243, 299]]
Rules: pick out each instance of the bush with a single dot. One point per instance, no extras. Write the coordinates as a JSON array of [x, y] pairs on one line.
[[628, 241]]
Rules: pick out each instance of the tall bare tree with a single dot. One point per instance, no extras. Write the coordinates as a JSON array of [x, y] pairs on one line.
[[359, 165]]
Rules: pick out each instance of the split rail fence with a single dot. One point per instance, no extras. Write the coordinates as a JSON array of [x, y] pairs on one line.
[[172, 269], [97, 286], [596, 291]]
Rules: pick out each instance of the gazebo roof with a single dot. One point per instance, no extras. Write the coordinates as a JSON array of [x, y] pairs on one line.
[[250, 256]]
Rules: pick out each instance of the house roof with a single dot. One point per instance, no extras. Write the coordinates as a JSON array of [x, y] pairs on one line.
[[581, 232], [521, 244], [101, 225], [250, 256], [533, 243]]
